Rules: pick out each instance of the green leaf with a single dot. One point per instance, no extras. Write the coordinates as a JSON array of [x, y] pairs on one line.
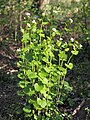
[[45, 60], [70, 65], [35, 62], [49, 97], [44, 93], [43, 74], [62, 70], [34, 102], [44, 90], [44, 23], [39, 31], [65, 45], [31, 92], [43, 79], [47, 69], [62, 56], [74, 52], [31, 74], [67, 49], [42, 102], [51, 54], [27, 56], [26, 89], [37, 107], [38, 87], [22, 30], [27, 109], [25, 37], [20, 75], [59, 117], [59, 43], [42, 35], [66, 29], [19, 63], [50, 84], [53, 34], [20, 93], [22, 84]]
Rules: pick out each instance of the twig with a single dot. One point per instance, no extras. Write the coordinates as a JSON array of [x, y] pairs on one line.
[[78, 108]]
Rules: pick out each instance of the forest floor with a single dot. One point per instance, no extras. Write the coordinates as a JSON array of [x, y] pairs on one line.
[[79, 78]]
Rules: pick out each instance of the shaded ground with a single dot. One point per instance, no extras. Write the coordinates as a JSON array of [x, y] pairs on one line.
[[8, 80], [8, 100], [79, 78]]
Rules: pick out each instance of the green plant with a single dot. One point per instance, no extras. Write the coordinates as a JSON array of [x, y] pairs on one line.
[[44, 60], [87, 113]]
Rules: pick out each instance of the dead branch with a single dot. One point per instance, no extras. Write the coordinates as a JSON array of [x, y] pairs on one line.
[[78, 108]]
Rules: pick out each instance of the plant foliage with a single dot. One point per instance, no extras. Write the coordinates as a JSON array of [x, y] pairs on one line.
[[44, 60]]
